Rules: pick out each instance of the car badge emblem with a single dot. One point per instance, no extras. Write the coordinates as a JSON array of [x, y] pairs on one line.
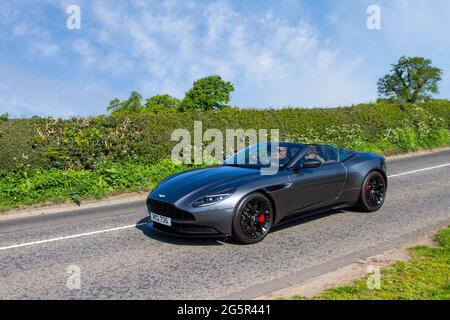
[[162, 195]]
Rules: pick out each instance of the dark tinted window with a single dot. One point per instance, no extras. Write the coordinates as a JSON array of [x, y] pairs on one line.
[[345, 154]]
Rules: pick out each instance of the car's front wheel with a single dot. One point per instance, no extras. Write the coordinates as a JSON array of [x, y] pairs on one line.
[[253, 219], [373, 192]]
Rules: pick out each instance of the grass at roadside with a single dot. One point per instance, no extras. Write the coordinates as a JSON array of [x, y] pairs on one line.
[[426, 276], [55, 185]]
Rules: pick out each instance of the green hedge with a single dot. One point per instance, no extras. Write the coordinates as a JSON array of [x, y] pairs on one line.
[[88, 143], [53, 160]]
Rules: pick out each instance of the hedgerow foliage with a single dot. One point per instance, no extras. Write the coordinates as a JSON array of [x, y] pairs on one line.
[[87, 143], [52, 159]]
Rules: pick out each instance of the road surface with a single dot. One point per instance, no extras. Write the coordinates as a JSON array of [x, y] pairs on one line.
[[119, 257]]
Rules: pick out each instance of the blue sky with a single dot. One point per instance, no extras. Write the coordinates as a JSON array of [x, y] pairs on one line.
[[277, 53]]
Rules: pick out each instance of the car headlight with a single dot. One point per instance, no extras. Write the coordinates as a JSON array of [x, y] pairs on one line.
[[212, 198]]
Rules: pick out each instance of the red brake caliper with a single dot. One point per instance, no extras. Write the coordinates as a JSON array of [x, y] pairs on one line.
[[261, 218]]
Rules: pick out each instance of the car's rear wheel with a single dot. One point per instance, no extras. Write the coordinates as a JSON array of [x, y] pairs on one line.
[[373, 192], [253, 219]]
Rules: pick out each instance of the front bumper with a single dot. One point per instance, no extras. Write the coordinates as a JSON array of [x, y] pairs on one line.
[[208, 221], [183, 230]]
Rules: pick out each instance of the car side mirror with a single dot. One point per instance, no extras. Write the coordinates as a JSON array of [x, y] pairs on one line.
[[312, 163]]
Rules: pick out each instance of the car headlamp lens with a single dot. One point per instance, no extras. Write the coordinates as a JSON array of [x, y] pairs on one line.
[[212, 198]]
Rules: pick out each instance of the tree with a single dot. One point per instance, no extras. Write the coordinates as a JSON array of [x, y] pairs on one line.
[[411, 79], [133, 103], [4, 116], [162, 103], [114, 104], [209, 93]]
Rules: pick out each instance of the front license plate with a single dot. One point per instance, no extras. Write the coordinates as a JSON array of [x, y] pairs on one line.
[[160, 219]]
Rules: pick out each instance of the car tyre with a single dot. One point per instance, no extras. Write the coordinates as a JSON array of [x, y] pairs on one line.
[[373, 192], [253, 219]]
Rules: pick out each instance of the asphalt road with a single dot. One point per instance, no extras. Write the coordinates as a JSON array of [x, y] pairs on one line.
[[118, 260]]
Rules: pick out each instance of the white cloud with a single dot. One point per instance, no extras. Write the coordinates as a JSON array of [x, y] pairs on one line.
[[46, 49], [39, 40], [88, 53], [26, 29], [272, 61], [275, 55], [220, 19]]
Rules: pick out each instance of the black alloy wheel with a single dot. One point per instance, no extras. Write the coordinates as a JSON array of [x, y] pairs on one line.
[[253, 219], [373, 192]]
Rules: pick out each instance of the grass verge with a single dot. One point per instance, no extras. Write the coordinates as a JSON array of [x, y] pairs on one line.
[[56, 186], [426, 276]]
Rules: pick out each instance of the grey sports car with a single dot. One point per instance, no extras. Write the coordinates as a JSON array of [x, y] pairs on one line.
[[236, 199]]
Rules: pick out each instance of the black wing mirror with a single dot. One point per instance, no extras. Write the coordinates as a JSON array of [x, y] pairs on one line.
[[312, 163]]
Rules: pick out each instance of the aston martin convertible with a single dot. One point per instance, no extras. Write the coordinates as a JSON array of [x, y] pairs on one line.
[[237, 199]]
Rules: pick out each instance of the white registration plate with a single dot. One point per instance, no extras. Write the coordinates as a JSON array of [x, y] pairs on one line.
[[160, 219]]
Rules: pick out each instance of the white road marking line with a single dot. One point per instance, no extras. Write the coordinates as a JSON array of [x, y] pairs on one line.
[[141, 224], [419, 170], [71, 237]]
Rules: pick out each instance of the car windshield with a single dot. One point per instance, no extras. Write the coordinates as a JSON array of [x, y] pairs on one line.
[[263, 155]]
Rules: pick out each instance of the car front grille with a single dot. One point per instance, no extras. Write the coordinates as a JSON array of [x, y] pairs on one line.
[[168, 210]]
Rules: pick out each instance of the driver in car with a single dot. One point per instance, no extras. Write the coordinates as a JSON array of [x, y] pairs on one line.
[[282, 155], [312, 154]]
